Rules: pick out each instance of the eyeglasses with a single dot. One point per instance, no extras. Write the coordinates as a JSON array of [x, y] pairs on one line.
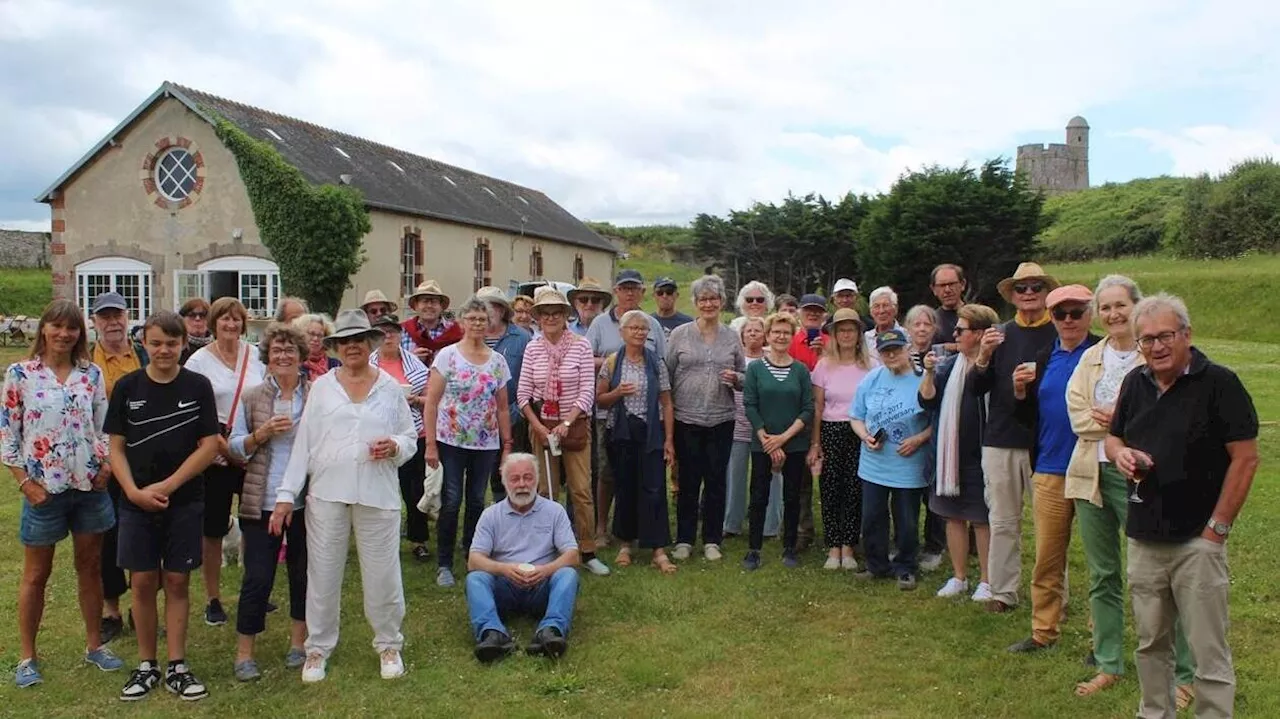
[[638, 328], [283, 352], [376, 311], [1146, 342], [753, 300], [197, 315], [476, 320], [947, 285], [1075, 314], [1028, 288]]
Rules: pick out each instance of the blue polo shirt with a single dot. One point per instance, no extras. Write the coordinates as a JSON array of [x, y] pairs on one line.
[[537, 536], [1056, 440]]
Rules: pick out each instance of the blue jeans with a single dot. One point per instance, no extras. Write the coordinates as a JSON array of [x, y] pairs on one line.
[[490, 596], [462, 467], [736, 494], [878, 503]]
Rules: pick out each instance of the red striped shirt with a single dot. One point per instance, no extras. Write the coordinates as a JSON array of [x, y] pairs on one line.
[[577, 374]]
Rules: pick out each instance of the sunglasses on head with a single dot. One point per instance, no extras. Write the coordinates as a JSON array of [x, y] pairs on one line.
[[1023, 288], [1075, 314]]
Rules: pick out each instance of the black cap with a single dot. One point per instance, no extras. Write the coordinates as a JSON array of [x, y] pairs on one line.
[[812, 300], [665, 282], [628, 277]]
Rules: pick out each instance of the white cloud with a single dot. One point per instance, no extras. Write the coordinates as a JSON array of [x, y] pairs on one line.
[[1209, 148], [26, 225], [660, 109]]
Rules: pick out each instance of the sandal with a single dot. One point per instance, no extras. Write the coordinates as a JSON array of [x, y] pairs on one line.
[[1100, 681], [664, 564], [624, 557], [1185, 696]]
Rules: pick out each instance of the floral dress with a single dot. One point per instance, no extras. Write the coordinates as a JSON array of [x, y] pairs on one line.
[[53, 430], [467, 417]]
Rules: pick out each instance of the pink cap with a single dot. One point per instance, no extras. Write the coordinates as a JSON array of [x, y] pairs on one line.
[[1069, 293]]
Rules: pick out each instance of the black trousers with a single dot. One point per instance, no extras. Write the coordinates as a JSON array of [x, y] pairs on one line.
[[411, 475], [639, 491], [703, 453], [261, 554], [840, 487], [793, 472], [935, 532], [114, 582]]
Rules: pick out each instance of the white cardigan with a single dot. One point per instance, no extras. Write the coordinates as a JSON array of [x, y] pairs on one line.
[[333, 445]]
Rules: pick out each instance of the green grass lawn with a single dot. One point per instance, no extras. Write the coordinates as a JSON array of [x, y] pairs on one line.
[[24, 292], [709, 641]]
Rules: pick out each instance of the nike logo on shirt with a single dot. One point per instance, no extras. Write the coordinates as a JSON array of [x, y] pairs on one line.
[[184, 405]]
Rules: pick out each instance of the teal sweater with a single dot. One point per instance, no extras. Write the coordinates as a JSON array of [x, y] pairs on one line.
[[773, 405]]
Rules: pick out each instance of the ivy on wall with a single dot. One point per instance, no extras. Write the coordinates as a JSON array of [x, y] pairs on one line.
[[313, 232]]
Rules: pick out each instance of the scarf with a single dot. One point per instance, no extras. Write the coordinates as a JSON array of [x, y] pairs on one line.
[[553, 390], [948, 465], [316, 366], [621, 420], [196, 343]]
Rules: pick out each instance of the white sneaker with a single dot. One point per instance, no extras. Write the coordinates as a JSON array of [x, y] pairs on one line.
[[832, 563], [313, 670], [681, 552], [983, 593], [848, 563], [930, 562], [711, 552], [392, 664], [597, 567], [954, 588]]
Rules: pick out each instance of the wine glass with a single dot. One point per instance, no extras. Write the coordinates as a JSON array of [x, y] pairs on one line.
[[1142, 465]]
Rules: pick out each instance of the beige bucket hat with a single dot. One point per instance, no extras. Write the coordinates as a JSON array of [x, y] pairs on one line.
[[1027, 271], [429, 288], [373, 296]]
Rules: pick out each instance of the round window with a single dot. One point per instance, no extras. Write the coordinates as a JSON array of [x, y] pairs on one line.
[[176, 174]]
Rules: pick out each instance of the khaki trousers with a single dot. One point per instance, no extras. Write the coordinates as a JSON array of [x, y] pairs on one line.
[[1184, 581], [1007, 474], [576, 467], [1053, 514]]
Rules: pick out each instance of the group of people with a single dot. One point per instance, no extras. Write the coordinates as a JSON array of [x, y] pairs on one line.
[[326, 429]]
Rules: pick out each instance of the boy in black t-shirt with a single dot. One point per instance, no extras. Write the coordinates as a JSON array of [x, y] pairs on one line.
[[163, 426]]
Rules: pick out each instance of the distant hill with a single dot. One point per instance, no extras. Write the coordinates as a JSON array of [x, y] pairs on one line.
[[1113, 220]]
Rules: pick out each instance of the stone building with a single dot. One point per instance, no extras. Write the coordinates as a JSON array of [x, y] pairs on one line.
[[1056, 169], [157, 211]]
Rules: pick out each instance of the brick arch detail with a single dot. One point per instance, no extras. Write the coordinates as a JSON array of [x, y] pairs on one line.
[[146, 173], [155, 260]]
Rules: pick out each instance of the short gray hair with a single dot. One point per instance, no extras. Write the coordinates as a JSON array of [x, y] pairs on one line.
[[754, 286], [1135, 294], [708, 284], [473, 304], [303, 323], [1162, 302], [885, 291], [915, 312], [516, 458], [284, 302], [631, 315]]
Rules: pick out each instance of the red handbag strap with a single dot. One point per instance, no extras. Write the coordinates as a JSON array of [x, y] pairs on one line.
[[235, 401]]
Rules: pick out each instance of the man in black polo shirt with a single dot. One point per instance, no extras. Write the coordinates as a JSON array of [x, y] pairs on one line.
[[1184, 431]]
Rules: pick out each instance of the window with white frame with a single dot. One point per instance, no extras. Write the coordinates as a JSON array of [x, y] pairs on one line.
[[129, 277], [253, 281], [176, 174], [410, 261]]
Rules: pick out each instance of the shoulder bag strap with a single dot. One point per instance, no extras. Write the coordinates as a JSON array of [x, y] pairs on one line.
[[235, 401]]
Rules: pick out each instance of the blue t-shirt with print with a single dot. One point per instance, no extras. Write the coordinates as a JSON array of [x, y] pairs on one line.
[[887, 400], [1055, 440]]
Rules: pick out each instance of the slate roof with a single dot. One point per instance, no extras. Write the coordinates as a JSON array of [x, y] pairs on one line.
[[391, 179]]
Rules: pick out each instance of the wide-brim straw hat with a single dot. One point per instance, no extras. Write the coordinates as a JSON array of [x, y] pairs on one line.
[[374, 296], [1026, 271], [490, 293], [351, 323], [844, 314], [429, 288], [549, 297], [591, 286]]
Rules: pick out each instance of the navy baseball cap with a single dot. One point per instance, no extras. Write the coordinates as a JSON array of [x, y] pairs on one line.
[[108, 301], [662, 282], [628, 277], [812, 300], [891, 338]]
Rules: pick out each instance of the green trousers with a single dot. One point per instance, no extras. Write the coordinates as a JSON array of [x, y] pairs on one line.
[[1102, 531]]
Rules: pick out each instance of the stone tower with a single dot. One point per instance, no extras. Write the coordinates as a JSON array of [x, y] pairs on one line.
[[1057, 169]]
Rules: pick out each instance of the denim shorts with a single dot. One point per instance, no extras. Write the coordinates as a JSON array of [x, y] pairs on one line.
[[71, 511]]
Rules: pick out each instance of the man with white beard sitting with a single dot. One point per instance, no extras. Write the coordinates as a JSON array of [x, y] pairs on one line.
[[522, 561]]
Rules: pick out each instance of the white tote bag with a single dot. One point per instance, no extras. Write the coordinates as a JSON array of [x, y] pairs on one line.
[[431, 486]]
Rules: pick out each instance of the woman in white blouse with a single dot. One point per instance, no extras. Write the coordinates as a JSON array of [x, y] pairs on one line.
[[354, 434], [232, 366]]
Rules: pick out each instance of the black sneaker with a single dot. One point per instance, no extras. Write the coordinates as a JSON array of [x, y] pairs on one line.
[[110, 628], [214, 616], [907, 581], [141, 682], [493, 645], [179, 680], [751, 562], [421, 553], [789, 559], [548, 642]]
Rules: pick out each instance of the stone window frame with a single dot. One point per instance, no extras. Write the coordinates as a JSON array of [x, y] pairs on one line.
[[148, 171]]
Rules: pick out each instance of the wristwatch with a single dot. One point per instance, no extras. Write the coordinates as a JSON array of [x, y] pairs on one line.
[[1222, 529]]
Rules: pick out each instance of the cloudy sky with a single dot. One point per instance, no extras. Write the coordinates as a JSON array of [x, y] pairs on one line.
[[653, 111]]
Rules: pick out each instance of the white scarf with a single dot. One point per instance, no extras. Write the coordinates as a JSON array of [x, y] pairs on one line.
[[948, 469]]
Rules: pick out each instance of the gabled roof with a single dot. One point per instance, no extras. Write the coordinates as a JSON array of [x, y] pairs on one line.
[[390, 179]]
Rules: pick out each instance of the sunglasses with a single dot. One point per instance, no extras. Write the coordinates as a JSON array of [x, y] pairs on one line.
[[664, 293], [753, 300], [1075, 314], [961, 330], [197, 315], [1024, 288]]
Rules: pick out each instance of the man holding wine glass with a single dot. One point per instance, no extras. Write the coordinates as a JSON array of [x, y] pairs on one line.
[[1185, 431]]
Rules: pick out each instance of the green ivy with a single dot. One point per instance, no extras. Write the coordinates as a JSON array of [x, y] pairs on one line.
[[314, 232]]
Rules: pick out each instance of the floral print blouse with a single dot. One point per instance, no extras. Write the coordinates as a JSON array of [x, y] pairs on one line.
[[468, 413], [53, 430]]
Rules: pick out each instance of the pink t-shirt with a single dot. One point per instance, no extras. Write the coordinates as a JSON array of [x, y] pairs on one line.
[[839, 383], [393, 368]]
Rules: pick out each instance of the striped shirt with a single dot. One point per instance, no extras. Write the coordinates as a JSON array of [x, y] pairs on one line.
[[779, 373], [577, 374]]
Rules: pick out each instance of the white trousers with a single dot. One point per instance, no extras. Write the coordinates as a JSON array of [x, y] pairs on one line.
[[329, 527]]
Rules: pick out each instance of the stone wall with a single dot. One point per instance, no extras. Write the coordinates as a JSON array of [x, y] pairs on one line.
[[28, 250], [1054, 169]]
